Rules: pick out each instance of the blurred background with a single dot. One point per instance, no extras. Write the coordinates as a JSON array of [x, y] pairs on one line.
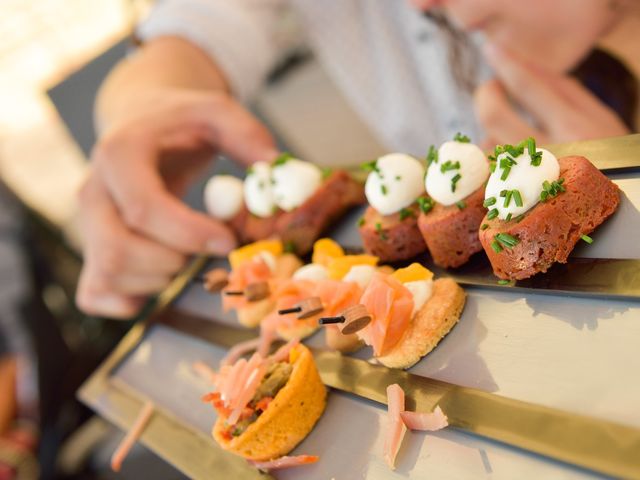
[[53, 56]]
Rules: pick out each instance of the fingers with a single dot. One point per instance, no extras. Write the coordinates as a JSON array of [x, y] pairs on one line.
[[528, 88], [120, 268], [501, 122], [131, 175]]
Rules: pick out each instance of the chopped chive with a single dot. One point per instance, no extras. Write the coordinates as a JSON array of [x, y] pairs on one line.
[[282, 159], [371, 166], [484, 226], [543, 195], [492, 166], [449, 165], [519, 218], [503, 282], [507, 240], [489, 201], [492, 214], [517, 198], [289, 246], [406, 213], [326, 173], [546, 186], [531, 146], [361, 221], [461, 138], [383, 188], [505, 173], [461, 205], [508, 217], [454, 180], [587, 239], [398, 177], [425, 204], [432, 155], [496, 246], [380, 232], [507, 198], [503, 193]]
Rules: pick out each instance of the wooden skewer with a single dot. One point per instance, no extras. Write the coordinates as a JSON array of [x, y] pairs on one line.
[[305, 309], [350, 321], [253, 292], [215, 280]]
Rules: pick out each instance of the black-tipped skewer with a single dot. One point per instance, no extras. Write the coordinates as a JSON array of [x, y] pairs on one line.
[[305, 309], [252, 292], [350, 321]]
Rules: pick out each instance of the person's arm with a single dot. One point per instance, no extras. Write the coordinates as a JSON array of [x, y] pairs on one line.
[[162, 114], [164, 62]]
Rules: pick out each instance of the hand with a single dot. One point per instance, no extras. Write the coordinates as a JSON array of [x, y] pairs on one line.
[[560, 108], [137, 233]]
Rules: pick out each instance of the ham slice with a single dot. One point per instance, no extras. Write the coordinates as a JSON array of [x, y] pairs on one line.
[[395, 427], [240, 349], [429, 422], [132, 436], [285, 462]]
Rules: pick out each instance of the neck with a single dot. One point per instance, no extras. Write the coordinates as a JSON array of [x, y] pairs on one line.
[[623, 40]]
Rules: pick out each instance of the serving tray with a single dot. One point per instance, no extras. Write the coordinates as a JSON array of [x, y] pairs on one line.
[[573, 355]]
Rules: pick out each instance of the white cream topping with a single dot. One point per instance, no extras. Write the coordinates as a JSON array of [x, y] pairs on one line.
[[223, 196], [395, 183], [465, 160], [294, 181], [527, 179], [421, 291], [258, 194], [360, 274], [268, 258], [312, 271]]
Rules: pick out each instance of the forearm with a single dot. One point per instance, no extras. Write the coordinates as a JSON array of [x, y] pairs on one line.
[[162, 63]]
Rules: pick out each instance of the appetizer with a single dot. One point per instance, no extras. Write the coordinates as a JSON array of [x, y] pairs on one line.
[[451, 216], [540, 207], [257, 270], [267, 406], [289, 199], [409, 314], [331, 283], [389, 227]]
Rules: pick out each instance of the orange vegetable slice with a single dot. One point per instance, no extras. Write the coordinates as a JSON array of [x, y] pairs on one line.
[[340, 266], [325, 250], [413, 273], [242, 254]]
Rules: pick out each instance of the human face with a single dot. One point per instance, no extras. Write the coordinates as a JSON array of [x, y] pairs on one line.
[[553, 34]]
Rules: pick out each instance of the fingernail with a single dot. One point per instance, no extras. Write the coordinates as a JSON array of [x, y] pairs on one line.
[[220, 245]]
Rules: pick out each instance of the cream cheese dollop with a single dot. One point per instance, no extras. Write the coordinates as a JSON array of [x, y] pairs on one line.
[[421, 291], [461, 168], [395, 182], [294, 181], [223, 196], [258, 192], [523, 177], [311, 271], [360, 274]]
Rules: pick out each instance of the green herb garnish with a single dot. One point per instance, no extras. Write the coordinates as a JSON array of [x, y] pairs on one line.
[[517, 197], [425, 204], [503, 282], [432, 155], [282, 159], [383, 189], [326, 172], [380, 232], [536, 157], [398, 177], [506, 240], [461, 205], [449, 165], [587, 239], [492, 214], [519, 218], [406, 213], [371, 166], [484, 226], [507, 198], [496, 246], [289, 246], [458, 137], [361, 221], [489, 201], [455, 180], [552, 189]]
